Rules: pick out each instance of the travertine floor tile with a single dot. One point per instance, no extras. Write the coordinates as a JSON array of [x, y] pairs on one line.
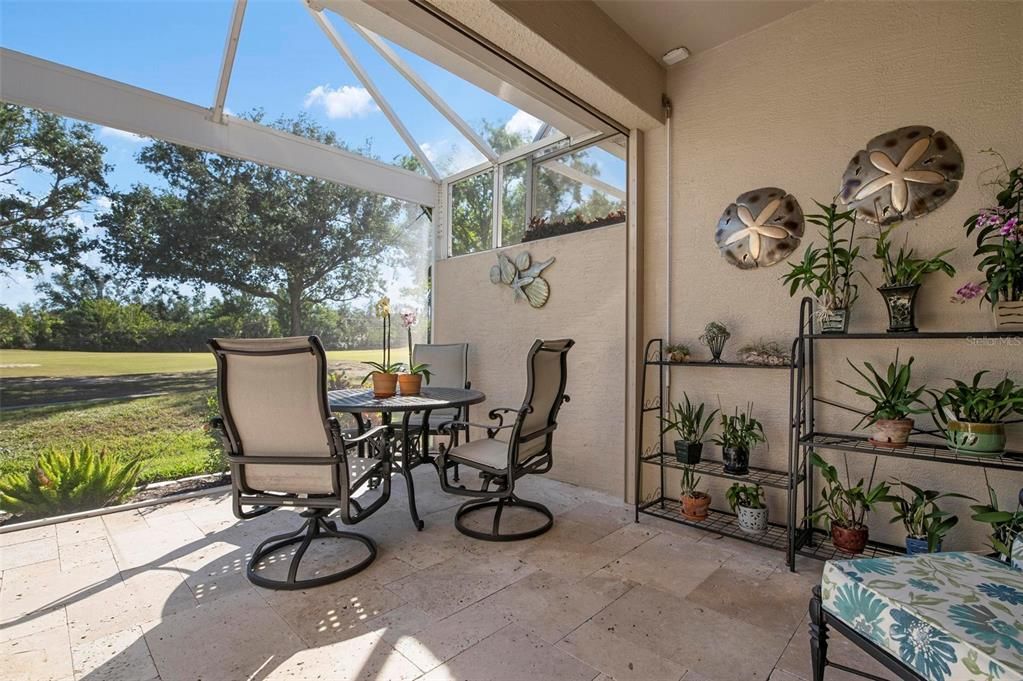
[[28, 553], [121, 656], [42, 656], [22, 536], [363, 656], [78, 531], [85, 552], [448, 637], [325, 614], [623, 660]]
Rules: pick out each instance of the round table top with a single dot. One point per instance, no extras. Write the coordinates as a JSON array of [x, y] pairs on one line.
[[361, 399]]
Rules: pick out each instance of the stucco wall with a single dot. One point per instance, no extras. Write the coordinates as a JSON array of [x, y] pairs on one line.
[[587, 303], [787, 106]]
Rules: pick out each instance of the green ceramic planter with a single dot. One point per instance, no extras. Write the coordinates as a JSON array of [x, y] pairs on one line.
[[976, 438]]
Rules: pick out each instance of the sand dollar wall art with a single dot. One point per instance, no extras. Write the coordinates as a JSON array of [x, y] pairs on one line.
[[903, 174], [523, 276], [760, 228]]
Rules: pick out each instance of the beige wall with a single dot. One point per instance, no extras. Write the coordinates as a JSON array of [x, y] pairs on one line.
[[587, 303], [787, 106]]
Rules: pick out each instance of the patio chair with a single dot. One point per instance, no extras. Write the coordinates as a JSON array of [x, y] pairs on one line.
[[449, 368], [285, 449], [526, 451]]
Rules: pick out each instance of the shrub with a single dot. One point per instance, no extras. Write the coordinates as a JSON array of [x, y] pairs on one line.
[[66, 482]]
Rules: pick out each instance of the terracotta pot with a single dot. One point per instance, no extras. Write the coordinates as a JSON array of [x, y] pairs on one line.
[[1009, 315], [410, 384], [695, 508], [384, 385], [892, 432], [849, 540]]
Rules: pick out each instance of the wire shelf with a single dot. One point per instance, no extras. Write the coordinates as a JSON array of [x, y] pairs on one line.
[[817, 544], [762, 476], [860, 444], [718, 522], [707, 363], [917, 335]]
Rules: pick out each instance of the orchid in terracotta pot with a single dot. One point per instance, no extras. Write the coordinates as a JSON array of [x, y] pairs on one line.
[[411, 383], [384, 373]]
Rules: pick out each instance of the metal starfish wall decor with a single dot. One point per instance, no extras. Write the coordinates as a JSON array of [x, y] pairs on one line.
[[903, 174], [761, 228], [523, 276]]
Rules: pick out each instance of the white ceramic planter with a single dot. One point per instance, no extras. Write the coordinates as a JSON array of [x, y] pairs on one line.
[[1009, 315], [752, 519]]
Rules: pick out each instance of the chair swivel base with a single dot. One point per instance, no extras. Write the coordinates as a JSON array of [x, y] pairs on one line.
[[317, 525], [499, 505]]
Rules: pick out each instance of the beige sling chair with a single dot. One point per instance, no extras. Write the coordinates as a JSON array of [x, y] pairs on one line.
[[285, 449], [526, 451]]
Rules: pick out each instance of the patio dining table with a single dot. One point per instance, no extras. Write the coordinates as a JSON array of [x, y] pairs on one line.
[[410, 441]]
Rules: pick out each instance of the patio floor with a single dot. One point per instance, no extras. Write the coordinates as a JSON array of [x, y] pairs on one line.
[[161, 594]]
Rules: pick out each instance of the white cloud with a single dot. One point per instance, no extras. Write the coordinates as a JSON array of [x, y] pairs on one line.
[[347, 101], [103, 203], [452, 157], [121, 135], [524, 125]]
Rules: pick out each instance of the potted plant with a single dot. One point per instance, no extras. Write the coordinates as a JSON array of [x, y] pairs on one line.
[[765, 353], [738, 433], [827, 273], [893, 402], [1005, 525], [411, 382], [384, 377], [694, 502], [902, 277], [748, 502], [714, 336], [845, 506], [926, 524], [677, 352], [978, 414], [999, 234], [688, 421]]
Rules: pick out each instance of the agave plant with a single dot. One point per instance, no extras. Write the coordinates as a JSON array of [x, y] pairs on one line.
[[66, 482]]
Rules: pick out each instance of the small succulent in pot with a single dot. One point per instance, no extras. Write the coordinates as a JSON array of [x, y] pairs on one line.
[[748, 502], [384, 377], [695, 503], [926, 524], [893, 402], [903, 275], [678, 352], [738, 434], [845, 506], [714, 336], [973, 416], [827, 273], [1006, 526], [689, 422], [411, 382]]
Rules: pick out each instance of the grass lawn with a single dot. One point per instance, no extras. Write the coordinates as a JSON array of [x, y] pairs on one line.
[[166, 431], [26, 363]]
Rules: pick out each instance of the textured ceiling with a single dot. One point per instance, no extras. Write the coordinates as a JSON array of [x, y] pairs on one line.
[[660, 25]]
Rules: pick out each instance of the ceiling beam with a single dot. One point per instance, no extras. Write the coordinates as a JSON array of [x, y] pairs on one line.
[[414, 79], [227, 63], [40, 84], [375, 93]]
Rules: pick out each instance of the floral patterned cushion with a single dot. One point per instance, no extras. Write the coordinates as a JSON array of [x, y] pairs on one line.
[[949, 616]]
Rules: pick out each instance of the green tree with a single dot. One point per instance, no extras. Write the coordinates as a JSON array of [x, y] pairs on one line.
[[248, 228], [64, 160]]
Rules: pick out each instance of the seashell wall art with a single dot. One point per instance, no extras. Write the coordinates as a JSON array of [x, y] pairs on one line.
[[523, 276], [761, 228], [907, 172]]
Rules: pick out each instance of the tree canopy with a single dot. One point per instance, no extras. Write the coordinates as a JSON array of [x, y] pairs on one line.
[[294, 240], [50, 169]]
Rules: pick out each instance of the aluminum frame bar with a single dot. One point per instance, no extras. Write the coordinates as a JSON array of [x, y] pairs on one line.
[[342, 48], [227, 63]]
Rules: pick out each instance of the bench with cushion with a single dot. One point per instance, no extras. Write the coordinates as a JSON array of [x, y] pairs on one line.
[[939, 617]]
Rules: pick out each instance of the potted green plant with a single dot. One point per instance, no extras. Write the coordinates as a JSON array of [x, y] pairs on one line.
[[845, 506], [926, 524], [384, 377], [1005, 525], [714, 336], [903, 275], [695, 503], [738, 434], [748, 502], [765, 353], [688, 421], [677, 352], [999, 235], [893, 402], [973, 416], [411, 382], [827, 273]]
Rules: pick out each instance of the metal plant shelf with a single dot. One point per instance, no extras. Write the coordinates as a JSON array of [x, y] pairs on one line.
[[917, 335], [708, 363], [822, 548], [1010, 459], [761, 476], [719, 522]]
